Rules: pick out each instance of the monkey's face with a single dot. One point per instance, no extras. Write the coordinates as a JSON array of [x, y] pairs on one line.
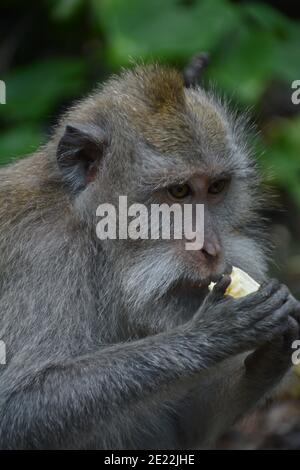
[[156, 268], [162, 144]]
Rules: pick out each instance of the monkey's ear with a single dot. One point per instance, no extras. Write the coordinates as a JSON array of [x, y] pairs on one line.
[[193, 71], [79, 152]]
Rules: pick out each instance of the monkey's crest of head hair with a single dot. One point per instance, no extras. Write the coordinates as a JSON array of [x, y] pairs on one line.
[[162, 86], [158, 86]]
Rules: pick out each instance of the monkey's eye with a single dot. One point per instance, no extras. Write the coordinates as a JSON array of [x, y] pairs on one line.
[[218, 186], [179, 191]]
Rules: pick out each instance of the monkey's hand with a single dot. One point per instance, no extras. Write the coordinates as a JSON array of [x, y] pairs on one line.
[[265, 368], [264, 321], [271, 361], [248, 322]]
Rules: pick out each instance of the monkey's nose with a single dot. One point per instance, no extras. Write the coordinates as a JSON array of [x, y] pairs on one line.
[[211, 248]]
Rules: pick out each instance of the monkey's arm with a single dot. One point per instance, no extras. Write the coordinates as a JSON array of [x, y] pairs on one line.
[[61, 403]]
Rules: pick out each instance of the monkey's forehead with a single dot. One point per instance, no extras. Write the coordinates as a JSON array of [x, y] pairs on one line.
[[196, 129], [194, 125]]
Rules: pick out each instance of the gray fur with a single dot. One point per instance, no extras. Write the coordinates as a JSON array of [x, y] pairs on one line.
[[103, 350]]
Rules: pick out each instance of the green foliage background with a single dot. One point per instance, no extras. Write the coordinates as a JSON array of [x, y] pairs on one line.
[[54, 51]]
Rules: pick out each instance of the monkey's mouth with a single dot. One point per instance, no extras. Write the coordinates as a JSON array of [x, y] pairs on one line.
[[197, 289]]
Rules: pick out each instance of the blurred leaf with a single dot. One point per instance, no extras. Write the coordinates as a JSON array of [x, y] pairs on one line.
[[253, 59], [247, 64], [286, 36], [166, 29], [283, 155], [65, 9], [266, 17], [33, 91], [265, 47], [19, 141], [288, 63]]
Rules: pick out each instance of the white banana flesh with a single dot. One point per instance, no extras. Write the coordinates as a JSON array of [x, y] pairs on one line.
[[241, 284]]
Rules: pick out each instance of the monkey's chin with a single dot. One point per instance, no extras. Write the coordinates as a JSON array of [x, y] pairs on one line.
[[191, 290]]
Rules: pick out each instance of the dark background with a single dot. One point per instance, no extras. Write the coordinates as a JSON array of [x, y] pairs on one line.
[[55, 51]]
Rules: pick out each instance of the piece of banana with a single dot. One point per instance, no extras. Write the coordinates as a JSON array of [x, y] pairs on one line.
[[241, 284]]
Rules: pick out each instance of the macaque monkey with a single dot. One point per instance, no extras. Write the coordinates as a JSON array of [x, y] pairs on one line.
[[118, 344]]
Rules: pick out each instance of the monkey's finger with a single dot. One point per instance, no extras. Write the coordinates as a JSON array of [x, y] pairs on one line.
[[228, 268], [296, 310], [292, 332], [278, 298], [273, 307], [283, 345], [268, 288], [273, 356], [283, 312], [262, 295], [220, 288]]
